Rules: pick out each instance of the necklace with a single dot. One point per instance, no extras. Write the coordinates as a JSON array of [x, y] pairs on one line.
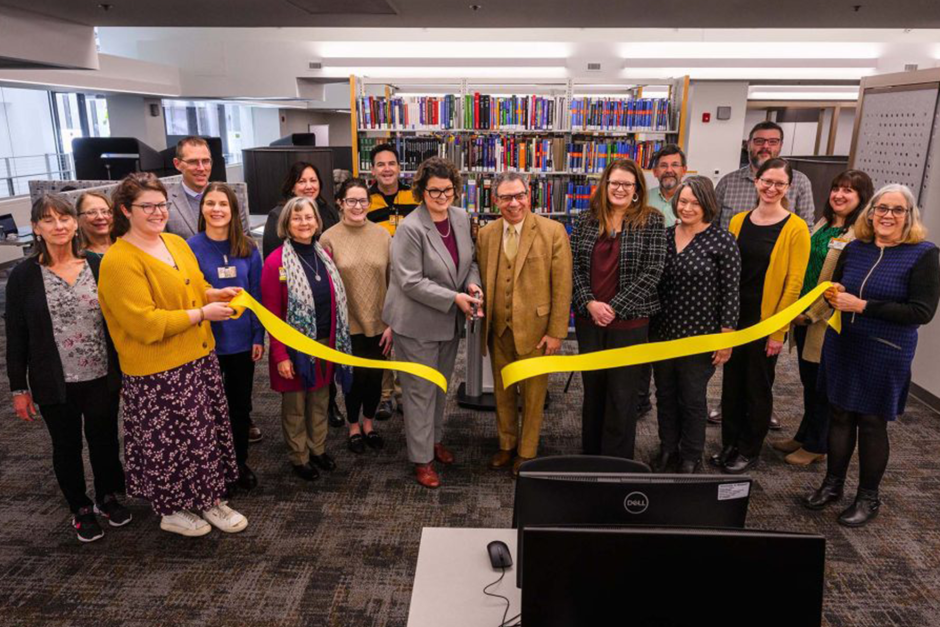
[[446, 235], [316, 275], [219, 248]]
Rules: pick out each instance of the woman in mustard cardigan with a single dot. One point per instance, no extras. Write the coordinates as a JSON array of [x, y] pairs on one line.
[[774, 245], [177, 436]]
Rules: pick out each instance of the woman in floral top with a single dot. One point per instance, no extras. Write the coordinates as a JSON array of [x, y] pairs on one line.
[[59, 357]]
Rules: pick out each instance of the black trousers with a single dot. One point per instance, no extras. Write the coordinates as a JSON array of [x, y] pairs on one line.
[[366, 389], [238, 378], [871, 433], [93, 402], [747, 400], [813, 433], [681, 403], [608, 416], [643, 392]]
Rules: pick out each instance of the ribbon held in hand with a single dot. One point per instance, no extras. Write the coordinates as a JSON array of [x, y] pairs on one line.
[[659, 351], [300, 342]]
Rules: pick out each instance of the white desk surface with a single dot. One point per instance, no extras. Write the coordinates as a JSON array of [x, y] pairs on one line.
[[453, 568]]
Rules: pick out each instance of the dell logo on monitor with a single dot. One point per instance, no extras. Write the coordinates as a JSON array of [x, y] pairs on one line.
[[636, 503]]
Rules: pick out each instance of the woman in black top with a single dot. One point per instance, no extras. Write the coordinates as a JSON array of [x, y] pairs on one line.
[[60, 357], [619, 247], [304, 180], [699, 295]]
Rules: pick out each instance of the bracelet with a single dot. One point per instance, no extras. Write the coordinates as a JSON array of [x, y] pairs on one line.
[[19, 392], [202, 315]]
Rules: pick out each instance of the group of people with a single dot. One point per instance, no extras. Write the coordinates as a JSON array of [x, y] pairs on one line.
[[115, 308]]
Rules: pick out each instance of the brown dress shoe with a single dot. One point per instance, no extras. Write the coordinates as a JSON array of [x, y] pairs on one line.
[[518, 462], [802, 457], [427, 476], [786, 446], [442, 455], [501, 459]]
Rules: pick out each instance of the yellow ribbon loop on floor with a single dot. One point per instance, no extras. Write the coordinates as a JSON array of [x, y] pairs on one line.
[[659, 351], [300, 342]]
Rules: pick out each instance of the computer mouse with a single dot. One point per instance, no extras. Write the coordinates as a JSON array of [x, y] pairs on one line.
[[499, 554]]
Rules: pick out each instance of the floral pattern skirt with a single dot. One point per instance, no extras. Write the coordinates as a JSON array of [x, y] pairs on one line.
[[178, 448]]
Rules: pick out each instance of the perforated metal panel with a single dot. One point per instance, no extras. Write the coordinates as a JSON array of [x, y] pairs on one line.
[[895, 134]]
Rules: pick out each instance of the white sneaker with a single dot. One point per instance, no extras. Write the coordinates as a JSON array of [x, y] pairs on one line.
[[225, 518], [185, 523]]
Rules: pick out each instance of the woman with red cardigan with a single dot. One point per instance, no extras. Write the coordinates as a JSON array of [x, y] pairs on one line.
[[301, 285]]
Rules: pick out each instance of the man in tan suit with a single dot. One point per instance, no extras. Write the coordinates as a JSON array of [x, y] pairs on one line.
[[525, 262]]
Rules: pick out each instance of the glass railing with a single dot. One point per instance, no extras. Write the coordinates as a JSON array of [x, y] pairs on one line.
[[17, 172]]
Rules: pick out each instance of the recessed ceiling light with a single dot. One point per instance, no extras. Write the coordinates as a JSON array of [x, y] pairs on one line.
[[476, 7], [105, 7]]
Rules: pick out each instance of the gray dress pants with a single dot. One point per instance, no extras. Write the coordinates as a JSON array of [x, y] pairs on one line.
[[423, 401]]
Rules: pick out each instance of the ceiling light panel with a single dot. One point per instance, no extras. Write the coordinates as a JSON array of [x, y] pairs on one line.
[[751, 50], [443, 49]]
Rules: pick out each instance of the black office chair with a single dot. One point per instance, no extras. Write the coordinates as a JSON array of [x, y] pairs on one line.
[[583, 463]]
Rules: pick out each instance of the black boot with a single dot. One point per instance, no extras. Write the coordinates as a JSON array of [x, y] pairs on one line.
[[864, 509], [829, 491], [720, 459], [664, 462], [336, 417]]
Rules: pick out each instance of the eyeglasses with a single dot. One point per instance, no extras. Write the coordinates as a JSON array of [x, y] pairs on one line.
[[620, 185], [97, 213], [760, 141], [206, 163], [149, 208], [775, 184], [356, 202], [440, 193], [883, 210], [508, 198], [303, 219]]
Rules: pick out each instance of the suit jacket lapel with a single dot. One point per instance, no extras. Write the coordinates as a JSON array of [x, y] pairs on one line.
[[494, 245], [437, 242], [464, 245], [525, 243], [181, 206]]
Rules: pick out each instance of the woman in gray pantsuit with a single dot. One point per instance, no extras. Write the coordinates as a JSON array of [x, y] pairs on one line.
[[434, 286]]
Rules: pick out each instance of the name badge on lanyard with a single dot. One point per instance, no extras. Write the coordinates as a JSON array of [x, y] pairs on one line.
[[837, 243], [228, 272], [282, 274]]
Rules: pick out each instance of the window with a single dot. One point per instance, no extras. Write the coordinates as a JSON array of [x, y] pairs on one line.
[[230, 122], [28, 145]]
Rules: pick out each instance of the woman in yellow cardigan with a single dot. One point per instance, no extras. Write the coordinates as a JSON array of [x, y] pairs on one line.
[[774, 245], [178, 446]]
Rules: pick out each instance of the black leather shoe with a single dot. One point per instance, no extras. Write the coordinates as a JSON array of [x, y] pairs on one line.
[[357, 444], [690, 466], [323, 462], [864, 509], [306, 472], [335, 416], [829, 491], [664, 462], [643, 408], [247, 480], [385, 410], [720, 459], [374, 440], [739, 463], [775, 424]]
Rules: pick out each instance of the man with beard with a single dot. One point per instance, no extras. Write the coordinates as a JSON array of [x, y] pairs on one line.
[[736, 191], [669, 166]]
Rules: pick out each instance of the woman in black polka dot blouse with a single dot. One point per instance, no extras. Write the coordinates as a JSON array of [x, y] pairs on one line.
[[700, 294]]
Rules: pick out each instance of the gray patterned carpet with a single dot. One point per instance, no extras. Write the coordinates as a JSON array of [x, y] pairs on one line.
[[342, 551]]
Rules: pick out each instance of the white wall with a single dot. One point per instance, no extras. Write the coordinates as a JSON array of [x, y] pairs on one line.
[[267, 125], [714, 148], [299, 121], [129, 116], [844, 132], [38, 39]]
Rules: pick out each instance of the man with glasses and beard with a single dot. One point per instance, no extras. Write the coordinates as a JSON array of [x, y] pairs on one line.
[[669, 167], [736, 191]]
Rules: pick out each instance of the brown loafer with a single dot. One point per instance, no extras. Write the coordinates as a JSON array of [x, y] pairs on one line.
[[502, 459], [442, 455], [427, 476], [802, 457], [786, 446], [517, 463]]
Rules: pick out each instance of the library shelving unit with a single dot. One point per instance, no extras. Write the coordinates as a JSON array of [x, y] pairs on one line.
[[561, 134]]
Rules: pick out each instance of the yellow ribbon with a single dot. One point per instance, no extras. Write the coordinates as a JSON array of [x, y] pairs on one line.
[[298, 341], [658, 351]]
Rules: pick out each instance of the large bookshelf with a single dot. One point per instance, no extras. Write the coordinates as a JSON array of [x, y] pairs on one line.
[[561, 139]]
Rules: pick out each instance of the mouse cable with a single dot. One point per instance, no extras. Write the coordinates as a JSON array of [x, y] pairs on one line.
[[499, 596]]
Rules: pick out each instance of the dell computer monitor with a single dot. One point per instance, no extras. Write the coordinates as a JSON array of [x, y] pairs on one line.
[[671, 577], [612, 498]]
